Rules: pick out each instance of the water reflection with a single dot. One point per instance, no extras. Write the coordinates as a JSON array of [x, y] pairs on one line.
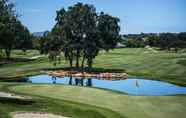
[[54, 79], [80, 81], [89, 82], [70, 80]]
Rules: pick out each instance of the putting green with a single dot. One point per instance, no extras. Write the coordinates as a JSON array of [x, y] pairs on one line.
[[129, 106]]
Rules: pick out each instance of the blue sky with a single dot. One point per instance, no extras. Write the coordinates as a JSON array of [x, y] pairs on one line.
[[136, 15]]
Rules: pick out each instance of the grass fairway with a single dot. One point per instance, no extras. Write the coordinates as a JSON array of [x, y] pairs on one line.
[[52, 105], [80, 102], [129, 106], [150, 64]]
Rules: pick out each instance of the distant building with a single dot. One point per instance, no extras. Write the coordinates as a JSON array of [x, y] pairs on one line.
[[38, 34], [120, 45]]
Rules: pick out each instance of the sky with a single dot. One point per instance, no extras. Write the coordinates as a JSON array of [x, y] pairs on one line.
[[136, 16]]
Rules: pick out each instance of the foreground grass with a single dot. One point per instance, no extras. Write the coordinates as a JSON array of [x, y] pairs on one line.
[[150, 64], [52, 105], [128, 106]]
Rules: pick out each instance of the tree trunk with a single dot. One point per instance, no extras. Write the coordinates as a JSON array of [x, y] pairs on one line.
[[70, 81], [82, 64], [1, 52], [24, 51], [8, 52], [71, 63], [77, 58], [89, 64], [176, 50], [70, 58]]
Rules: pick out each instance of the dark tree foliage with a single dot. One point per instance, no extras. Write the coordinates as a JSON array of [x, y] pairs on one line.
[[23, 40], [163, 41], [7, 26], [11, 29], [152, 40], [135, 43], [170, 41], [108, 31], [182, 38], [80, 33]]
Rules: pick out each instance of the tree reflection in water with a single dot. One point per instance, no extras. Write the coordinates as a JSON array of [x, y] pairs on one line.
[[53, 79], [89, 82], [80, 81], [76, 81], [70, 80]]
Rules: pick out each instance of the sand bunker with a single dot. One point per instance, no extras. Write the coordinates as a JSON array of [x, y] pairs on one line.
[[10, 95], [35, 115]]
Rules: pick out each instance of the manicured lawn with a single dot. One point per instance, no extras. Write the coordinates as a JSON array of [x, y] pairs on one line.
[[150, 64], [80, 102], [128, 106], [55, 106], [27, 54]]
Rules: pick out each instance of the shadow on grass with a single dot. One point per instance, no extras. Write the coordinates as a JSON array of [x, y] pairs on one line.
[[182, 62], [52, 105], [4, 61], [94, 70], [13, 79], [5, 100]]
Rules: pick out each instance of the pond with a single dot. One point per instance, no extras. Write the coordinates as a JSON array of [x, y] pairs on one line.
[[132, 86]]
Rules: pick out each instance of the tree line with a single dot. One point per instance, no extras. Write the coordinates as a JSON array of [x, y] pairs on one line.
[[80, 33], [164, 41]]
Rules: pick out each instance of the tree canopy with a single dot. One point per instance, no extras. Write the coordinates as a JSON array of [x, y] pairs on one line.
[[163, 41], [80, 33], [12, 32]]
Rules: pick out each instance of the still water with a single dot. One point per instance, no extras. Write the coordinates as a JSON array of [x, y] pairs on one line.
[[132, 86]]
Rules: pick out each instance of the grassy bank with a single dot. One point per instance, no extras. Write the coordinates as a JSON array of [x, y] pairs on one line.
[[52, 105], [127, 106], [150, 64]]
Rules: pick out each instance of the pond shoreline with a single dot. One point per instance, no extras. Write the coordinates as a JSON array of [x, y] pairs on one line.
[[132, 86], [81, 75]]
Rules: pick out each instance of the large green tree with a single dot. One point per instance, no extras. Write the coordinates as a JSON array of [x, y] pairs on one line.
[[108, 31], [7, 19], [11, 29], [23, 39], [76, 27], [80, 32]]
